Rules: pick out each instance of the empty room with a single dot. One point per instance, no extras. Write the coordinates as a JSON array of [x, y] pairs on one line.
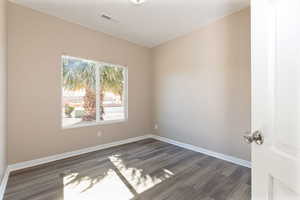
[[149, 100]]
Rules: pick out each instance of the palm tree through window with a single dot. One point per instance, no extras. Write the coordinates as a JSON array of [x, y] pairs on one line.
[[93, 92]]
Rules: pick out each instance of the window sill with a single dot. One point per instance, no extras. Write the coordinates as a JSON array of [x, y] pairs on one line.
[[109, 122]]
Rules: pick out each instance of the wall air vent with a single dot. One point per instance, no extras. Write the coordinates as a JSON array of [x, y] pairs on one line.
[[108, 18], [104, 16]]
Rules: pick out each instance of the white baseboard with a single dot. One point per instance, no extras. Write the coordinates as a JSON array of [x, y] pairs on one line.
[[36, 162], [32, 163], [231, 159], [4, 182]]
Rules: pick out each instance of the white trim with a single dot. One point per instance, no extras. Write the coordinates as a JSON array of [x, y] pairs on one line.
[[36, 162], [32, 163], [231, 159], [125, 92], [4, 182], [99, 65], [98, 86], [107, 122], [92, 61]]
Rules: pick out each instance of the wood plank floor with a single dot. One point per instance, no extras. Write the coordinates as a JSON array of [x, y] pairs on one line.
[[143, 170]]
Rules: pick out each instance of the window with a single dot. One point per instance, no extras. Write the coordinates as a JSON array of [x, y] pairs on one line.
[[92, 92]]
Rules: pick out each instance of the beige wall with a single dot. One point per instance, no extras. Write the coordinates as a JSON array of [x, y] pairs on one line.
[[202, 86], [3, 85], [36, 43]]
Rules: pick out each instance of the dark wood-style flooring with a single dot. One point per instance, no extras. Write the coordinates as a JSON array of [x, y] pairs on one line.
[[144, 170]]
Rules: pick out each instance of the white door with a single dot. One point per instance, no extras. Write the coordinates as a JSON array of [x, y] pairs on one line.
[[276, 99]]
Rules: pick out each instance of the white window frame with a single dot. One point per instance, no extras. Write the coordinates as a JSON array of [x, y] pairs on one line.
[[98, 67]]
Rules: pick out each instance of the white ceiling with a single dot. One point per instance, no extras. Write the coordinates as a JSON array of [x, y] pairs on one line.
[[149, 24]]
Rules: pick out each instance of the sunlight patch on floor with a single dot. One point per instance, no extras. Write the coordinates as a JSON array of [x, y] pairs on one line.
[[120, 182], [137, 178], [109, 187]]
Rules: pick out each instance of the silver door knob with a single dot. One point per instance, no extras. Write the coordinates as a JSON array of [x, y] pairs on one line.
[[256, 137]]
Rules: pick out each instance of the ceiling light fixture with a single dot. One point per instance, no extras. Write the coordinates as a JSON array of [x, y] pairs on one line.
[[137, 2]]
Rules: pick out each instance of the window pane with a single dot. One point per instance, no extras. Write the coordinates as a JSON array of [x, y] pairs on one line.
[[112, 84], [79, 92], [92, 92]]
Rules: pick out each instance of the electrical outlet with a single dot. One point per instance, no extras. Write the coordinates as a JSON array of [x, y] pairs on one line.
[[155, 126], [99, 133]]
